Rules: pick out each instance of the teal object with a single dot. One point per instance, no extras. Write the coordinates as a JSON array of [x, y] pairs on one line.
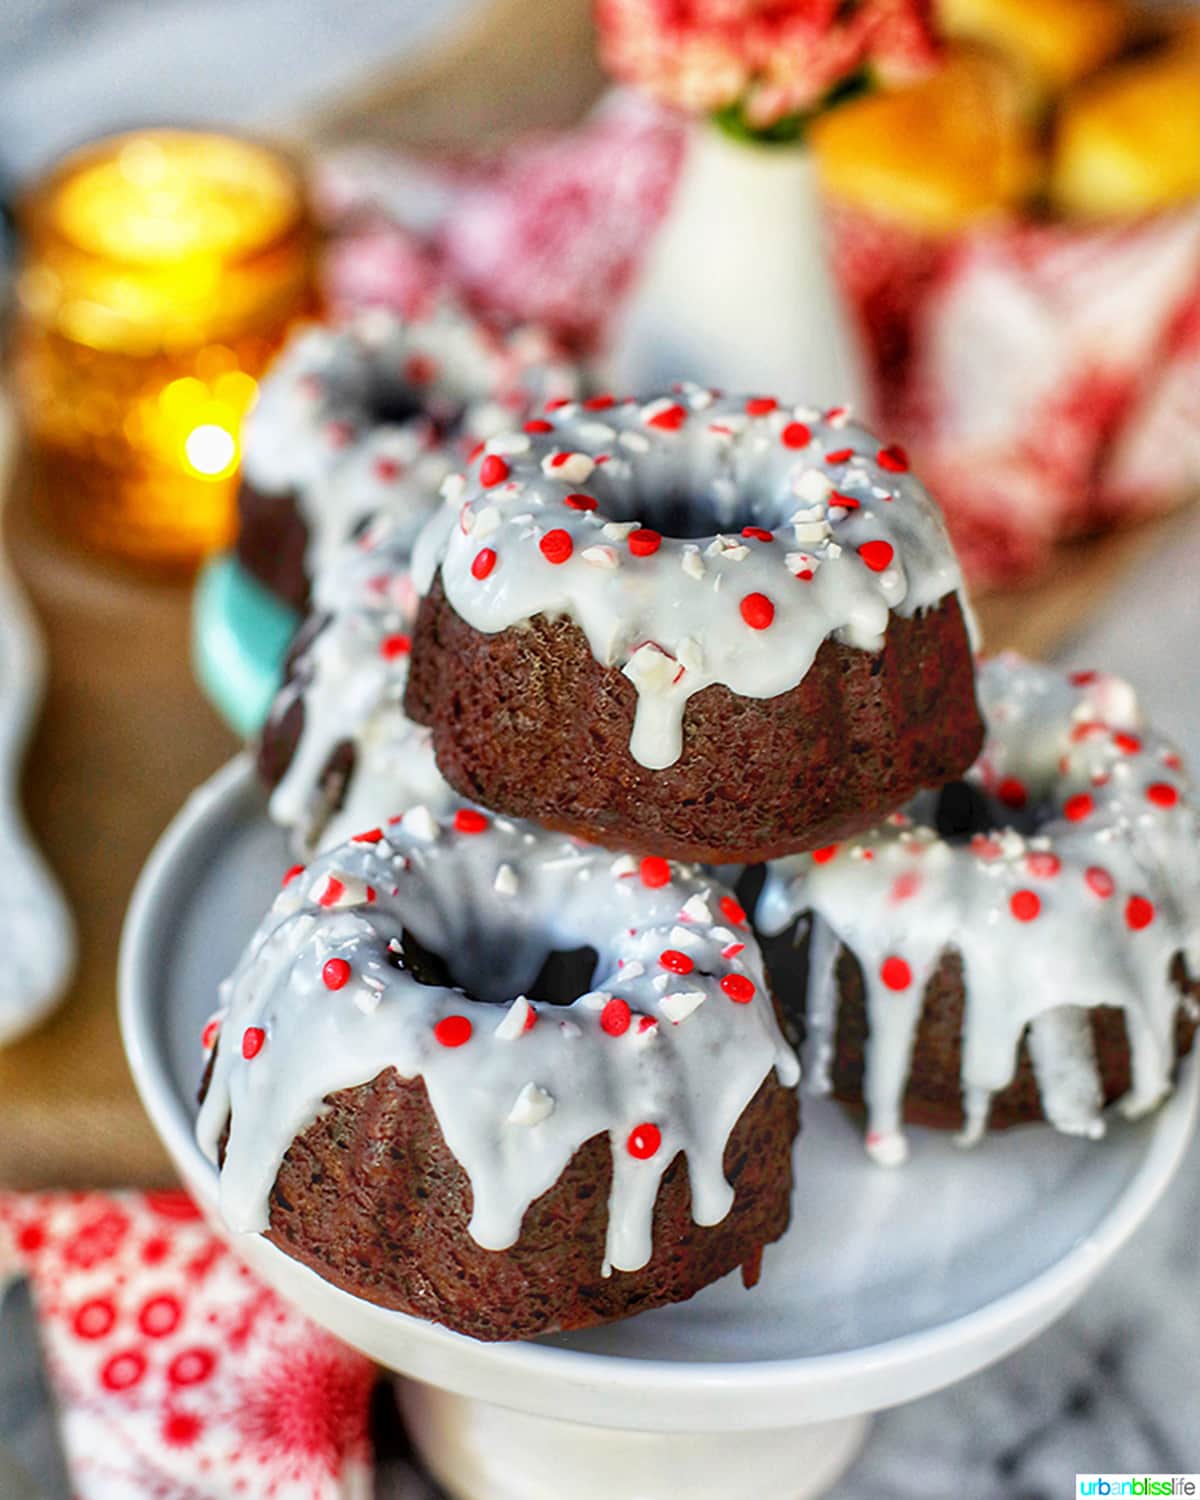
[[240, 636]]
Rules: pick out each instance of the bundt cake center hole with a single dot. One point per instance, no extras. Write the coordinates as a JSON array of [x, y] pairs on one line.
[[679, 513], [565, 974], [964, 810], [392, 402]]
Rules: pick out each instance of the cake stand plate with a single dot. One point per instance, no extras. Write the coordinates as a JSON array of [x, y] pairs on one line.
[[889, 1284], [240, 636]]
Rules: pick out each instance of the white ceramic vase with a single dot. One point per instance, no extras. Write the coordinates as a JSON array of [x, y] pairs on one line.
[[736, 290]]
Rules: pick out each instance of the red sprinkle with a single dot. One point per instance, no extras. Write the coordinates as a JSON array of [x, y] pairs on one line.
[[670, 419], [393, 646], [556, 546], [372, 836], [1078, 807], [539, 424], [335, 973], [1100, 881], [1082, 679], [1025, 905], [615, 1017], [758, 534], [419, 369], [757, 611], [470, 820], [386, 469], [839, 456], [893, 458], [732, 911], [1129, 743], [655, 871], [1139, 912], [1012, 792], [1162, 794], [895, 973], [483, 562], [985, 848], [599, 403], [208, 1037], [493, 470], [739, 989], [678, 963], [579, 502], [846, 502], [795, 435], [761, 406], [905, 886], [823, 855], [332, 891], [644, 542], [453, 1031], [644, 1141], [253, 1039], [291, 874], [1043, 864], [877, 555]]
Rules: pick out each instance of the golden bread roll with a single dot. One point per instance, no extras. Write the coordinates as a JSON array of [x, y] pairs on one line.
[[1052, 42]]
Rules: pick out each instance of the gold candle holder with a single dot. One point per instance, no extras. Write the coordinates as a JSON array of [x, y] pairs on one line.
[[161, 271]]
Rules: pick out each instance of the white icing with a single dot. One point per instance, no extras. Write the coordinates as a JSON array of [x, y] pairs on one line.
[[312, 432], [901, 892], [674, 620], [513, 1103]]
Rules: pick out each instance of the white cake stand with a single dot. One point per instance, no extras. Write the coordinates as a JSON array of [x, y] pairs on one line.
[[890, 1284]]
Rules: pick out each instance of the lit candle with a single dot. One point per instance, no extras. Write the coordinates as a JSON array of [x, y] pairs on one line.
[[161, 272]]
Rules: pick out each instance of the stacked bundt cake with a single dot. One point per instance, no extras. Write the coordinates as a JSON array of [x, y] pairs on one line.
[[505, 1054]]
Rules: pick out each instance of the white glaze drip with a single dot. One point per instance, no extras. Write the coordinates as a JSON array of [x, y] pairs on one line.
[[676, 619], [692, 1080], [1105, 807]]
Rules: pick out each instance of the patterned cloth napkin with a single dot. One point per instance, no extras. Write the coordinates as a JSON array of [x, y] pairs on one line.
[[178, 1375]]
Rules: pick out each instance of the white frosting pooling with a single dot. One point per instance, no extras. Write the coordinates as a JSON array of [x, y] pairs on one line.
[[852, 537], [1088, 906], [314, 431], [514, 1100]]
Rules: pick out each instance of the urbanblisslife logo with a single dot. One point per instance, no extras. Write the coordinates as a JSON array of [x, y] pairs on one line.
[[1089, 1485]]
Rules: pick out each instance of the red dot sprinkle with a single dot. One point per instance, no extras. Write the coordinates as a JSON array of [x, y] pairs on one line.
[[732, 911], [757, 611], [492, 471], [845, 502], [539, 424], [644, 542], [453, 1031], [615, 1017], [877, 555], [393, 646], [483, 562], [677, 962], [208, 1037], [470, 820], [386, 469], [1129, 743], [644, 1141], [579, 501], [1162, 794], [893, 458], [1012, 793], [1100, 881], [336, 973], [823, 855], [252, 1041], [1082, 679], [1078, 807], [905, 886], [1025, 905], [1139, 912], [739, 989], [761, 406], [556, 546], [758, 534], [599, 403], [839, 456], [291, 874], [670, 419], [655, 871], [1043, 864], [796, 435], [895, 973]]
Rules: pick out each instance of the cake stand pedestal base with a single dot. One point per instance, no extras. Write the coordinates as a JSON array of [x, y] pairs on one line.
[[479, 1451]]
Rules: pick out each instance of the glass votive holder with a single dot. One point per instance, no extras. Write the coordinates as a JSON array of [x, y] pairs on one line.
[[160, 272]]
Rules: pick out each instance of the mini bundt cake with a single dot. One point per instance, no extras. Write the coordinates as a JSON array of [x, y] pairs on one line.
[[1023, 945], [712, 628], [369, 417], [502, 1081]]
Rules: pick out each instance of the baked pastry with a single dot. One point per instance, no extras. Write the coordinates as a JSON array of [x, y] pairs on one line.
[[1052, 42], [713, 628], [370, 417], [1024, 944], [423, 1089], [337, 749], [1128, 140]]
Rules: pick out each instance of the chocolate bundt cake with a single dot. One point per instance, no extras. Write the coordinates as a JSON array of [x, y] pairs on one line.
[[499, 1080], [369, 417], [711, 628], [1024, 944]]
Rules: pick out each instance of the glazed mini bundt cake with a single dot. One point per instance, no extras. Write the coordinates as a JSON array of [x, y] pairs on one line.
[[369, 417], [705, 627], [502, 1081], [1024, 944]]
